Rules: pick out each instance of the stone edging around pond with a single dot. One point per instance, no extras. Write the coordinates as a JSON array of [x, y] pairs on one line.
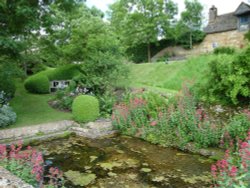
[[8, 180], [97, 129]]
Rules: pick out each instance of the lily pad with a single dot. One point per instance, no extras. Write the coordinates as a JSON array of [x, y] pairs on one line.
[[110, 166], [146, 170], [111, 174], [80, 179], [93, 158], [158, 179]]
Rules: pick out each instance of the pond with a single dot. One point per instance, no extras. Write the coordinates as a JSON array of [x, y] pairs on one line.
[[122, 162]]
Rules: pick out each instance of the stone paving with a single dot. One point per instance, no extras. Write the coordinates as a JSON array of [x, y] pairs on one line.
[[8, 180]]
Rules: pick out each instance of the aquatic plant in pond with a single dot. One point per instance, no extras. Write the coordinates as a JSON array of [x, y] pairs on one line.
[[28, 164], [234, 170]]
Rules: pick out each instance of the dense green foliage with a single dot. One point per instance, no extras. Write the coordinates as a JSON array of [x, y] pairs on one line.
[[85, 108], [142, 22], [7, 116], [227, 79], [37, 84], [239, 126], [190, 24], [66, 72], [8, 72], [224, 50]]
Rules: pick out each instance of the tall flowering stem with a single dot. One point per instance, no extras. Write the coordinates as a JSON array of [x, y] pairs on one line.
[[234, 170]]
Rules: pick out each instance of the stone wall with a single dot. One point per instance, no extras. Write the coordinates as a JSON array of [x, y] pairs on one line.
[[230, 38]]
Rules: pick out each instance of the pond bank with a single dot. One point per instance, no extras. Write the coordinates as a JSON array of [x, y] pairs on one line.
[[99, 128]]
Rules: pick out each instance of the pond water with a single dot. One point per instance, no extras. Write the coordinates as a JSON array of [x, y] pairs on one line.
[[122, 162]]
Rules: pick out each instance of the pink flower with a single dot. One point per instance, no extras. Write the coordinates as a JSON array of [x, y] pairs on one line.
[[233, 171], [153, 123]]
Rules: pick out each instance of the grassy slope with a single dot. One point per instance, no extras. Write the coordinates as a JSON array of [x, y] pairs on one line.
[[33, 109], [168, 77]]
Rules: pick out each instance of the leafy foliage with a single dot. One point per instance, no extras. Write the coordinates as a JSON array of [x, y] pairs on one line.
[[7, 116], [37, 84], [66, 72], [190, 24], [142, 22], [8, 72], [85, 108], [227, 79], [239, 126], [224, 50]]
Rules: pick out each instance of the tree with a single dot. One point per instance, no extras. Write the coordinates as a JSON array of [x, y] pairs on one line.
[[191, 19], [142, 22]]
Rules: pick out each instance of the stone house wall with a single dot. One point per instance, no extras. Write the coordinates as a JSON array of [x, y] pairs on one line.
[[232, 38]]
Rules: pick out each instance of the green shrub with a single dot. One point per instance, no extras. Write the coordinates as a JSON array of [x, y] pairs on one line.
[[7, 116], [85, 108], [66, 72], [227, 79], [8, 86], [238, 127], [37, 84], [224, 50]]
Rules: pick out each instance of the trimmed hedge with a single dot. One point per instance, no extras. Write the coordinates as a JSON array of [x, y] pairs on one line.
[[37, 84], [66, 72], [85, 108], [8, 86]]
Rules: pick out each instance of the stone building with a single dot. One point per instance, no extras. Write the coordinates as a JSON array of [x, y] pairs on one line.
[[222, 30], [227, 29]]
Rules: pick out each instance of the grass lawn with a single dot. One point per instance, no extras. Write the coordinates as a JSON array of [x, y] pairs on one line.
[[33, 109], [168, 78]]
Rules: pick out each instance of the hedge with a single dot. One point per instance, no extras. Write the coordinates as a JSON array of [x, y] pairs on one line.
[[85, 108], [37, 84]]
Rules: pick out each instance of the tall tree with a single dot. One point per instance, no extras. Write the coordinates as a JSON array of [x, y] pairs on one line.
[[191, 18], [142, 21]]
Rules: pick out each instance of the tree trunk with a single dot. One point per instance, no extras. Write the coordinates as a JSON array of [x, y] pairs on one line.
[[191, 40], [149, 53]]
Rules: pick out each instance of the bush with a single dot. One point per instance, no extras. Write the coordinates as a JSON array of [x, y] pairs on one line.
[[238, 127], [7, 116], [8, 86], [85, 108], [37, 84], [224, 50], [227, 79], [66, 72]]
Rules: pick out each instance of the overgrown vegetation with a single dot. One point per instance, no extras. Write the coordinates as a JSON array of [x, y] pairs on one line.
[[227, 79], [224, 50]]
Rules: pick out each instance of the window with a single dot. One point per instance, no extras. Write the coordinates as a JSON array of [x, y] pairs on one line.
[[244, 20]]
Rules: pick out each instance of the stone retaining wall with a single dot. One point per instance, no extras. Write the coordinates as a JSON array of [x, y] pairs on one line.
[[36, 130]]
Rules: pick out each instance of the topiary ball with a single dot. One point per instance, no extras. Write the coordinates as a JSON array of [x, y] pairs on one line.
[[37, 84], [85, 108]]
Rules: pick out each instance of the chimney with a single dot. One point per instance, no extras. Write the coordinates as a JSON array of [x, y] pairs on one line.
[[212, 14]]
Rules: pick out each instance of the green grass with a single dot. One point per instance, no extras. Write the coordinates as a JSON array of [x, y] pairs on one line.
[[33, 109], [168, 78]]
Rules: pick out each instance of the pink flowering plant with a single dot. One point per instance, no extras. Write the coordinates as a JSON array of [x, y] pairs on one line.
[[28, 164], [167, 121], [233, 170]]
